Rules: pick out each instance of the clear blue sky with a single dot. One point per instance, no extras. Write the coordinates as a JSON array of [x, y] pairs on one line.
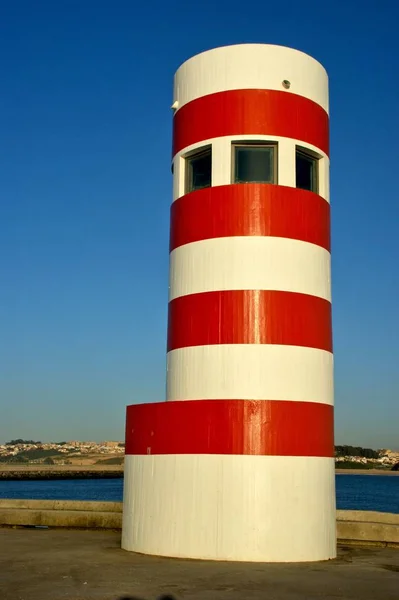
[[85, 144]]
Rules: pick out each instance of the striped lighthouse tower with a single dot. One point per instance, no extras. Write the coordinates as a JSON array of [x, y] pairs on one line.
[[238, 463]]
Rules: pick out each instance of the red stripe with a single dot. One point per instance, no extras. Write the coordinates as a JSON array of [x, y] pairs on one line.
[[250, 209], [257, 427], [249, 317], [251, 112]]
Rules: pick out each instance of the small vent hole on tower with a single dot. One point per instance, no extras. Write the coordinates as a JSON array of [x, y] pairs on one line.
[[286, 84]]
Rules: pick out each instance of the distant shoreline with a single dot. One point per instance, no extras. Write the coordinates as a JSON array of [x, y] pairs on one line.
[[364, 472], [10, 472]]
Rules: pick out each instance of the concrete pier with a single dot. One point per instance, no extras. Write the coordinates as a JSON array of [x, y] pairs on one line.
[[56, 564]]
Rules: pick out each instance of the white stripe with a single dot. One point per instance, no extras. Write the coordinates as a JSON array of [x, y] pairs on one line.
[[242, 508], [250, 263], [222, 161], [251, 66], [250, 372]]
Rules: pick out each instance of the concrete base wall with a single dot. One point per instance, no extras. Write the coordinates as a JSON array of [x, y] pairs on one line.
[[61, 513], [220, 507], [353, 527], [62, 505]]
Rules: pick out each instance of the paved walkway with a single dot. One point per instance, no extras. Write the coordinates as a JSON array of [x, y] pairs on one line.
[[89, 565]]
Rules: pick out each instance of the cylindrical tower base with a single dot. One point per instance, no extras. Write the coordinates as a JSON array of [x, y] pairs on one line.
[[238, 508], [217, 480]]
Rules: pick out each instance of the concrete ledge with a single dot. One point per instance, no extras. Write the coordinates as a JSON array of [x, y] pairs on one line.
[[353, 526], [367, 527], [74, 519], [368, 516], [62, 505], [61, 513]]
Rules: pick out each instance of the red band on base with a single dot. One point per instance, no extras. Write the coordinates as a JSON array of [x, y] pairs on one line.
[[256, 427]]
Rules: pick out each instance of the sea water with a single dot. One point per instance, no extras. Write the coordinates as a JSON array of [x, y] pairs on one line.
[[354, 492]]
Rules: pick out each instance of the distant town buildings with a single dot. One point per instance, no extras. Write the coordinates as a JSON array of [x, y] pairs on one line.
[[38, 451], [386, 458]]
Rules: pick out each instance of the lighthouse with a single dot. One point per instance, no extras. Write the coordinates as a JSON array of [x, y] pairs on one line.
[[238, 463]]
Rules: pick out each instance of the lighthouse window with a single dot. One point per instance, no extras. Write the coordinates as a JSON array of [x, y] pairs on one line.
[[306, 171], [199, 170], [255, 163]]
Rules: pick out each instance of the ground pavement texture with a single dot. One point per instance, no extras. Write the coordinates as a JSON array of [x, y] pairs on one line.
[[55, 564]]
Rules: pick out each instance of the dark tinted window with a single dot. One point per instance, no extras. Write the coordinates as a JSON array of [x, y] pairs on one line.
[[254, 164], [306, 171], [199, 171]]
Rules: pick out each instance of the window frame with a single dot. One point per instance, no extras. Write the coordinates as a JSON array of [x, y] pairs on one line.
[[255, 144], [309, 154], [193, 154]]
